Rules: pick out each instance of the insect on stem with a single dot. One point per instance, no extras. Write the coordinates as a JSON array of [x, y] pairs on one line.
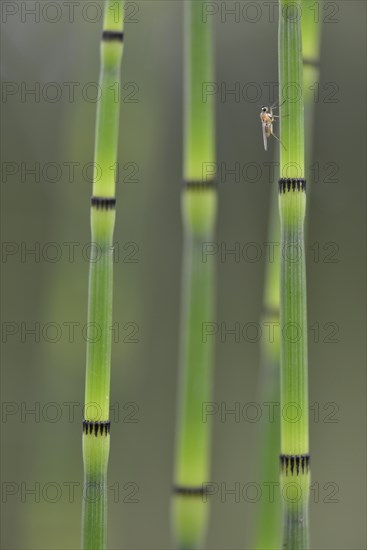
[[267, 118]]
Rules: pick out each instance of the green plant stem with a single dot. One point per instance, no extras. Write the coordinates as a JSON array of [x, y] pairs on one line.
[[295, 476], [268, 517], [311, 44], [96, 425], [268, 532], [199, 204]]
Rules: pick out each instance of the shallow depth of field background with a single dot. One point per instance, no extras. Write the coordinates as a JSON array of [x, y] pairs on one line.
[[43, 451]]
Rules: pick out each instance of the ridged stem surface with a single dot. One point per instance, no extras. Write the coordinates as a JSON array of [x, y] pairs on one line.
[[199, 205], [96, 425], [295, 476]]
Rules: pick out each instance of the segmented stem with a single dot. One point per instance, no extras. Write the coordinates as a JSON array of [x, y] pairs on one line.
[[268, 528], [268, 515], [96, 425], [293, 308], [199, 204]]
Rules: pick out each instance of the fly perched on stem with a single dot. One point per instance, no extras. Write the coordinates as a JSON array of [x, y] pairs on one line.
[[267, 120]]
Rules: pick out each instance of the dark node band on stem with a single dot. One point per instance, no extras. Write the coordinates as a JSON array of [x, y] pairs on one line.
[[311, 62], [295, 464], [200, 184], [291, 184], [113, 36], [103, 203], [189, 491], [98, 428]]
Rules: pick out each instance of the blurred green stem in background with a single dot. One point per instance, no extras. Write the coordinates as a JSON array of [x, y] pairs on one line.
[[311, 45], [199, 206], [268, 520], [96, 424], [295, 475]]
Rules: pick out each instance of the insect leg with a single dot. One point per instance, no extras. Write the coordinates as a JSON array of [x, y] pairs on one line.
[[276, 137], [276, 106]]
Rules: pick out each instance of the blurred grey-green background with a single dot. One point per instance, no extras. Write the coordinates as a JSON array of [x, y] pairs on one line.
[[55, 52]]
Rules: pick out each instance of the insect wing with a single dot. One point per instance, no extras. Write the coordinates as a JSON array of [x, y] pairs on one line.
[[265, 139]]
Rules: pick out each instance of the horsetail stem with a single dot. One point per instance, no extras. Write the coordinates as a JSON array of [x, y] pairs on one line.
[[268, 528], [311, 38], [311, 42], [293, 308], [199, 204], [96, 425], [268, 532]]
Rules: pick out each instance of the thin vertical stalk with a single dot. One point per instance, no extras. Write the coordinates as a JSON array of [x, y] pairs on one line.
[[96, 424], [199, 205], [268, 532], [311, 42], [268, 529], [295, 475]]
